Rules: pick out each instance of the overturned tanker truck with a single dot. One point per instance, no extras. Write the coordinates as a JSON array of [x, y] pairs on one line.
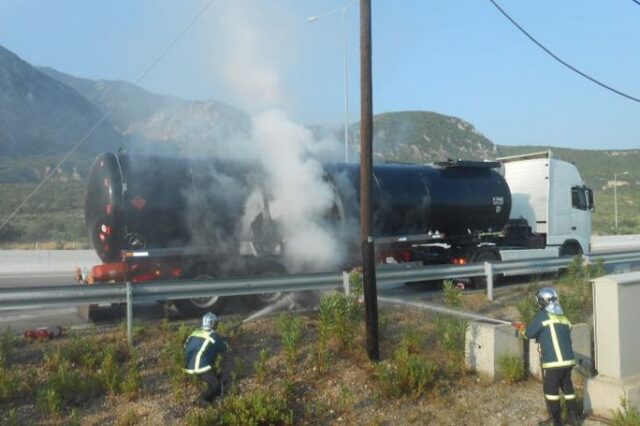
[[154, 218]]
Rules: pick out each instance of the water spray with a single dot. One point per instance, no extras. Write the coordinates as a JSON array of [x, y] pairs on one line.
[[444, 310]]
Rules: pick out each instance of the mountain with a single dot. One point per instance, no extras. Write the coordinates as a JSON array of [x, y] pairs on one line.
[[41, 116], [159, 122], [425, 137]]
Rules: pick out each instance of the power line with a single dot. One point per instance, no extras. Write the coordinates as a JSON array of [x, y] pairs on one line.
[[636, 2], [554, 56], [106, 114]]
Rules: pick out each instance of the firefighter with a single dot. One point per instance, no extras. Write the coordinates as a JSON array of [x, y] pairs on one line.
[[203, 349], [552, 330]]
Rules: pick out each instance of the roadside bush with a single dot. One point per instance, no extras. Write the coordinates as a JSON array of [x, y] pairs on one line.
[[291, 328], [260, 407], [527, 308], [341, 315], [626, 415], [260, 365], [576, 296], [451, 331], [8, 347], [512, 368], [9, 384], [172, 358], [406, 374]]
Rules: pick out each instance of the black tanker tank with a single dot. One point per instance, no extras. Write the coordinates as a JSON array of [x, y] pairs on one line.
[[455, 198], [136, 202]]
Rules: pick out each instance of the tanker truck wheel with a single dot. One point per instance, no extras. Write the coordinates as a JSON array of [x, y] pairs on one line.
[[482, 256], [200, 305], [255, 301]]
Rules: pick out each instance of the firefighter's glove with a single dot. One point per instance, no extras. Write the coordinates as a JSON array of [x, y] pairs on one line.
[[519, 326]]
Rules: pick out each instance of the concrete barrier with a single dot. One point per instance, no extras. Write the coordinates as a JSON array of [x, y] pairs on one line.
[[46, 261], [485, 343], [617, 345]]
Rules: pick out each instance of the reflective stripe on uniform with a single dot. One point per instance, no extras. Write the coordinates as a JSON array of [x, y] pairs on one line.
[[207, 341], [570, 396], [556, 364], [552, 397], [553, 319]]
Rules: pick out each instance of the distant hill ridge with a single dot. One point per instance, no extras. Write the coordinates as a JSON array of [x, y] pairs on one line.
[[40, 115], [44, 112]]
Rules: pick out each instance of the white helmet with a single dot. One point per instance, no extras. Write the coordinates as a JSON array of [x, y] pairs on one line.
[[549, 300], [209, 321]]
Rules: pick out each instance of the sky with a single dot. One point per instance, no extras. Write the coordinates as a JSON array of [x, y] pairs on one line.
[[455, 57]]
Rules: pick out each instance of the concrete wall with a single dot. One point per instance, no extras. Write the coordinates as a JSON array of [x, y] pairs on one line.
[[46, 261], [617, 344], [485, 343]]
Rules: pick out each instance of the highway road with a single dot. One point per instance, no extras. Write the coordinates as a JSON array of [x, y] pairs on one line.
[[50, 270]]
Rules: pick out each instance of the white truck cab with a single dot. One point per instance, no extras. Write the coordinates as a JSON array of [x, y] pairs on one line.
[[551, 196]]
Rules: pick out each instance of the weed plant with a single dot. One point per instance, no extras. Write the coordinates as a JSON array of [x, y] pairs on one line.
[[527, 308], [512, 368], [260, 407], [260, 366], [576, 296], [408, 372], [291, 329], [451, 331], [626, 415], [8, 347], [172, 359]]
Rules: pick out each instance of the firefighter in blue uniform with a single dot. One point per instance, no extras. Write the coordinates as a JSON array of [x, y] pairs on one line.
[[552, 330], [203, 348]]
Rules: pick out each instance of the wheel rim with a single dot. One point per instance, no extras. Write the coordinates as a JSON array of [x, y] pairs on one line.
[[204, 302]]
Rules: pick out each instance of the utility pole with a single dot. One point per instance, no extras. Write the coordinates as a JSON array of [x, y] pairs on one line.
[[366, 168]]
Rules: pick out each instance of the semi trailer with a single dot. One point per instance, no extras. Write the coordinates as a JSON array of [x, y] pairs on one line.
[[153, 218]]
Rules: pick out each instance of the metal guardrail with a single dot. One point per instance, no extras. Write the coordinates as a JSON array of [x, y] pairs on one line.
[[183, 289]]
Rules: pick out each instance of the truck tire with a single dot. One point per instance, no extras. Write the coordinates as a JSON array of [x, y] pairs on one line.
[[200, 305], [570, 248], [482, 256], [259, 300]]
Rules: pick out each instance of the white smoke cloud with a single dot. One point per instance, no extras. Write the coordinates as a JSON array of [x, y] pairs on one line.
[[300, 198]]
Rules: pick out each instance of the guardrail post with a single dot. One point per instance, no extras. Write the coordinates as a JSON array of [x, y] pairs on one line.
[[129, 315], [346, 284], [488, 271]]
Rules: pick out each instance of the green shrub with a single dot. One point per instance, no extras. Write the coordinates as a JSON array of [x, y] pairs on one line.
[[49, 402], [72, 385], [260, 365], [626, 415], [172, 359], [512, 367], [408, 372], [291, 328], [8, 347], [450, 335], [452, 294], [576, 295], [204, 417], [9, 384], [527, 308], [261, 407], [340, 317]]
